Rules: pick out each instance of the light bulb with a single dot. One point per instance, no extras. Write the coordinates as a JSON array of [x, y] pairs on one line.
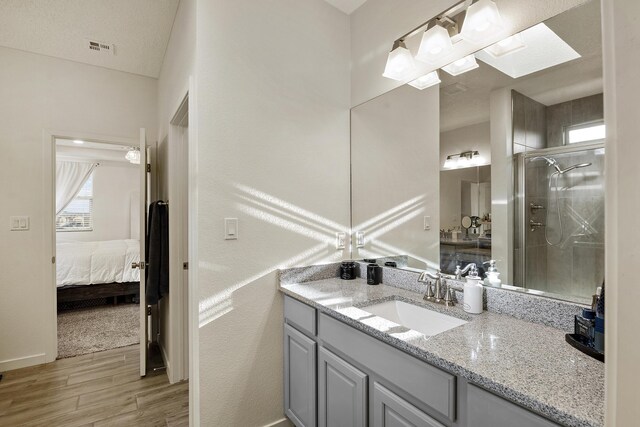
[[482, 22], [400, 64], [426, 81], [449, 163], [462, 65], [435, 45]]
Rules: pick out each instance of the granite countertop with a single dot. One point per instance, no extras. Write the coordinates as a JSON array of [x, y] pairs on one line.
[[527, 363]]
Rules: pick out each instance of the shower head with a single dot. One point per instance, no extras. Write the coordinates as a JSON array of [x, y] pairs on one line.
[[578, 166], [550, 161]]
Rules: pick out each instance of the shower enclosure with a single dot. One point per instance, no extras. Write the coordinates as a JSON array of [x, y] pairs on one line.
[[559, 219]]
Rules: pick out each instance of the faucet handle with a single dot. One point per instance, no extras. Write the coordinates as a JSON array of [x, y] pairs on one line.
[[429, 294], [448, 297]]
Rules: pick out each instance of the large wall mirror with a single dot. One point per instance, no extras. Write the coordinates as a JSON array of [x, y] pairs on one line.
[[504, 162]]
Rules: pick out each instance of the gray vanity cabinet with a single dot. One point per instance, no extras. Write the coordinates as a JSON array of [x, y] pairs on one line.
[[388, 388], [299, 378], [390, 410], [342, 392]]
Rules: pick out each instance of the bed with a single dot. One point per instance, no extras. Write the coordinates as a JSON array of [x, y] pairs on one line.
[[88, 270]]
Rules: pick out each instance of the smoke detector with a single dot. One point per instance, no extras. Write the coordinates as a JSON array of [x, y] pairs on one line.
[[101, 47]]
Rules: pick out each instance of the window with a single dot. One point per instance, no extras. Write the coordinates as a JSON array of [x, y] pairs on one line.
[[587, 132], [78, 215]]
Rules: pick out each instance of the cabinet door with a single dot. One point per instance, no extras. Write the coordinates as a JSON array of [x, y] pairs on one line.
[[487, 410], [342, 392], [299, 378], [390, 410]]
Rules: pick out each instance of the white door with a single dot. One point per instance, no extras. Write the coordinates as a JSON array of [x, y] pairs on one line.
[[144, 204]]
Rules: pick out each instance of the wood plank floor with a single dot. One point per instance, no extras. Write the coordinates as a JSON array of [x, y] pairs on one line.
[[99, 389]]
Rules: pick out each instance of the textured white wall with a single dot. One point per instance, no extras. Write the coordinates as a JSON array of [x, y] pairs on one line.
[[273, 151], [113, 185], [377, 23], [395, 141], [38, 93], [621, 35]]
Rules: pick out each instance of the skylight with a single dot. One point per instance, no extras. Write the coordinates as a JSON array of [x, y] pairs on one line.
[[544, 49]]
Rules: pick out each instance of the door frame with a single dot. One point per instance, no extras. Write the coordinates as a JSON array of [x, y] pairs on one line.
[[178, 170], [49, 229], [182, 105]]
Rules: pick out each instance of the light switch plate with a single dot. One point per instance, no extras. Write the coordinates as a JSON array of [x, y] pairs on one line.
[[19, 223], [231, 228], [341, 238], [359, 239], [427, 222]]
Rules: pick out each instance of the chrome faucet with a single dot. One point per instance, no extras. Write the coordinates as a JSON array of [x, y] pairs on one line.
[[471, 266], [442, 292]]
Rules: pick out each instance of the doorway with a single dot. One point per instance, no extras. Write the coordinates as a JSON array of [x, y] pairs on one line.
[[96, 238]]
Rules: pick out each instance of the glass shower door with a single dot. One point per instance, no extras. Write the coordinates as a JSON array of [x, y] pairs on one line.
[[559, 246]]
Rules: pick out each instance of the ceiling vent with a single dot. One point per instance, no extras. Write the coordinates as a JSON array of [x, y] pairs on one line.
[[101, 47], [454, 88]]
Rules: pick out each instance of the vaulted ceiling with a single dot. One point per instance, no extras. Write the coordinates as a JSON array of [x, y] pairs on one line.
[[138, 29]]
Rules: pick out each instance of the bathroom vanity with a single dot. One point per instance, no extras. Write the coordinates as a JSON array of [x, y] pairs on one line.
[[345, 366]]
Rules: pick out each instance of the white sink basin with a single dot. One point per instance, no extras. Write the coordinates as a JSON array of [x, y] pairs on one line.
[[414, 317]]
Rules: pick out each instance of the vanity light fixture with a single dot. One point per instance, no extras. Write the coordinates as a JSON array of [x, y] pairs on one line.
[[482, 22], [400, 64], [133, 155], [78, 141], [505, 47], [462, 65], [435, 45], [463, 160], [426, 81]]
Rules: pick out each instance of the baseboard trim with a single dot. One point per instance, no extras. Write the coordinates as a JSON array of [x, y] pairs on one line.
[[23, 362], [281, 423]]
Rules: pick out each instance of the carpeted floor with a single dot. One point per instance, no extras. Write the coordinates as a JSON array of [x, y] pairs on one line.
[[96, 329]]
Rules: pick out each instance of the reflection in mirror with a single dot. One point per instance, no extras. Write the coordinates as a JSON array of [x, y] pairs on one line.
[[506, 160], [465, 218]]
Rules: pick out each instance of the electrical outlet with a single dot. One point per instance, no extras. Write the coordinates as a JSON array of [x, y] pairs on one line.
[[341, 238], [359, 239]]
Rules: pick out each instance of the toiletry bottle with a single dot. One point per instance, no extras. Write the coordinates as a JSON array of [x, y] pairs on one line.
[[374, 274], [598, 335], [473, 291], [492, 274]]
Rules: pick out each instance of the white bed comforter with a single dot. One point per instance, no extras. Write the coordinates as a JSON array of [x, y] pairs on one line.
[[90, 263]]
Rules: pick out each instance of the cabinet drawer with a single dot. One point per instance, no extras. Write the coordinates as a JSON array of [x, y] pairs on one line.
[[487, 410], [302, 316], [390, 410], [433, 387]]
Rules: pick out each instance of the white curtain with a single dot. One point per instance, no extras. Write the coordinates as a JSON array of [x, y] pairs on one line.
[[70, 177]]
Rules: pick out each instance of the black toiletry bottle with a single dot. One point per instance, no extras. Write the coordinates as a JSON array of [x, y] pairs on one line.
[[374, 274], [348, 270]]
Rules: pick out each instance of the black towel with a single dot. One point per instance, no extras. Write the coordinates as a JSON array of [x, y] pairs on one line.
[[157, 252]]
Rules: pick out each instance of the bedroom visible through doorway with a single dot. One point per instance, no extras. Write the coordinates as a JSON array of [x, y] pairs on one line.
[[97, 233]]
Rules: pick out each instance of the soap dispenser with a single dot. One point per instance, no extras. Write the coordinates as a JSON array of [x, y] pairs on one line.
[[492, 274], [473, 292]]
